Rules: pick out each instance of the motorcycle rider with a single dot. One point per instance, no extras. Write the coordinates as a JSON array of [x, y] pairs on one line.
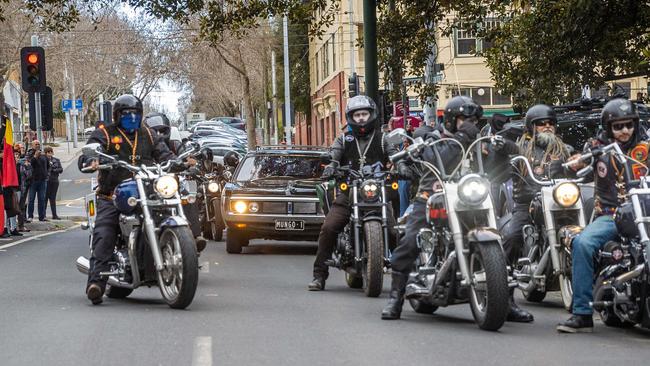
[[460, 118], [620, 123], [130, 141], [362, 144], [546, 152]]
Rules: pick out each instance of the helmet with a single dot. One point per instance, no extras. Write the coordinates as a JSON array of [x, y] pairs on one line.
[[127, 112], [460, 106], [358, 103], [617, 110], [231, 159], [539, 112], [158, 122]]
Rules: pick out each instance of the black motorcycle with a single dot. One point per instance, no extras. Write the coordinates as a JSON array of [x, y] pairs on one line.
[[622, 283], [362, 249]]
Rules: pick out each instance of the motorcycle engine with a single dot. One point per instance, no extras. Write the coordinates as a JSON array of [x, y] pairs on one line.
[[344, 247], [123, 265]]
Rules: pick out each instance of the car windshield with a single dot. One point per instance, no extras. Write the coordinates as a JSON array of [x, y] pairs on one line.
[[280, 167]]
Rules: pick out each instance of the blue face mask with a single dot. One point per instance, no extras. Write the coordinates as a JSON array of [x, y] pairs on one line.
[[130, 121]]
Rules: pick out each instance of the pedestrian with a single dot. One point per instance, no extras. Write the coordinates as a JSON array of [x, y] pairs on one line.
[[25, 180], [38, 188], [53, 181]]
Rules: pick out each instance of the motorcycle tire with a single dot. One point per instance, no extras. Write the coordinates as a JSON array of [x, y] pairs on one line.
[[207, 230], [611, 320], [353, 281], [235, 241], [217, 224], [422, 307], [117, 292], [566, 288], [374, 271], [178, 282], [491, 308], [535, 296]]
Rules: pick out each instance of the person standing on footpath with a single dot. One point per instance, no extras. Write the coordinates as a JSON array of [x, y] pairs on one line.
[[40, 168], [53, 181]]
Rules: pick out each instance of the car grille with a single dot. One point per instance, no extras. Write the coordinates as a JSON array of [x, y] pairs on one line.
[[299, 208], [274, 207]]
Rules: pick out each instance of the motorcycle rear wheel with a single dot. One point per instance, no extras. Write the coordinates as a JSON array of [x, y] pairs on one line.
[[374, 271], [489, 285], [180, 275]]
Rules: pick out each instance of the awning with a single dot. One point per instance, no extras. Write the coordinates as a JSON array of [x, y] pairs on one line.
[[490, 112]]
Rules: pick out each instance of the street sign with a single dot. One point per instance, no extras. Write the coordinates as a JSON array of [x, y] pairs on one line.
[[78, 104], [66, 105], [192, 118]]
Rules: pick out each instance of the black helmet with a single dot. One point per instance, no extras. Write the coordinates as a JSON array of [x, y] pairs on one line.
[[127, 103], [618, 109], [539, 112], [357, 103], [158, 122], [460, 106], [231, 159]]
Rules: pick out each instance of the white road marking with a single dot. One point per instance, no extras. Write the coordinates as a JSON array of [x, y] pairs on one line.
[[35, 237], [202, 353], [205, 267]]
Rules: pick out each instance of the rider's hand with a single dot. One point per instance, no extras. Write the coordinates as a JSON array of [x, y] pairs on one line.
[[578, 165], [191, 161], [94, 164], [497, 142], [328, 172]]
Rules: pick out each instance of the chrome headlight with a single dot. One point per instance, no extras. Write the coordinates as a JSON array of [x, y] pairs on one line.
[[370, 190], [566, 194], [239, 206], [473, 190], [213, 187], [166, 186]]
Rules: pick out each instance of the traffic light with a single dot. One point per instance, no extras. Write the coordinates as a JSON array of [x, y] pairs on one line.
[[32, 64], [353, 85], [46, 110]]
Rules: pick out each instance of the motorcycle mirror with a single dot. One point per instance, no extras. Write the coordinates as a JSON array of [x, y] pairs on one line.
[[91, 150], [584, 171], [395, 136]]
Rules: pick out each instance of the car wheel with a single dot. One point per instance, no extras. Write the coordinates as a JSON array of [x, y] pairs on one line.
[[235, 241]]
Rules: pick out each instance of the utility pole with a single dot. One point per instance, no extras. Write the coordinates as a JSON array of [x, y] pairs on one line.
[[37, 104], [429, 75], [274, 129], [74, 115], [287, 89], [353, 67], [370, 48]]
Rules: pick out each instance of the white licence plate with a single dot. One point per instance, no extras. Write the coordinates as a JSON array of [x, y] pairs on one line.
[[290, 225]]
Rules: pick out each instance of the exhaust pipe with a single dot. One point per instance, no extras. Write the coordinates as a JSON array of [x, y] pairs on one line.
[[625, 277], [83, 266]]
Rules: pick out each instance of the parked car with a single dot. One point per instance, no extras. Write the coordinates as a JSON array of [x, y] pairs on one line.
[[232, 121], [272, 195]]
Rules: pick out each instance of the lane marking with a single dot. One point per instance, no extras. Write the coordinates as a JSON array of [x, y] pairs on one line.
[[204, 267], [36, 237], [202, 353]]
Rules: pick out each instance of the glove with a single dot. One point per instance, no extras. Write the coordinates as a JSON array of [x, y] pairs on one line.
[[328, 172], [497, 142], [404, 172], [466, 132]]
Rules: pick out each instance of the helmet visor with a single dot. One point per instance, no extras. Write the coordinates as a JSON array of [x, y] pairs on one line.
[[154, 121], [130, 120], [469, 110]]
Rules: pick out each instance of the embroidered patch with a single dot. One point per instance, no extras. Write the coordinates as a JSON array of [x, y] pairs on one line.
[[601, 167], [349, 138], [640, 153], [117, 146], [539, 170], [116, 140], [638, 171]]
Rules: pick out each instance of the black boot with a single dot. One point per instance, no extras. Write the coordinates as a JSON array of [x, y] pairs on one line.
[[317, 284], [393, 309], [577, 324], [517, 314]]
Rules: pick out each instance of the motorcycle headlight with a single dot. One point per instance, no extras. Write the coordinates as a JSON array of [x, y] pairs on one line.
[[473, 190], [167, 186], [370, 190], [213, 187], [566, 194], [240, 206]]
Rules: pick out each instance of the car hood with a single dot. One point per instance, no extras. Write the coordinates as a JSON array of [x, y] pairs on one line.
[[275, 186]]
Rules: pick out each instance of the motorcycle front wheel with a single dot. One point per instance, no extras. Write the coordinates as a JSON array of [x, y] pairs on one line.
[[374, 271], [180, 274], [566, 289], [489, 285]]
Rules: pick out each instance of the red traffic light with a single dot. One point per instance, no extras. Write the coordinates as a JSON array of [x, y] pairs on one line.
[[32, 58]]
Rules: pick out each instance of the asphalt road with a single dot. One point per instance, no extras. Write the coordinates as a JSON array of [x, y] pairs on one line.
[[254, 309], [73, 187]]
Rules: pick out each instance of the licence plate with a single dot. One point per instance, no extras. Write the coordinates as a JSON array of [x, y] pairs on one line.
[[291, 225]]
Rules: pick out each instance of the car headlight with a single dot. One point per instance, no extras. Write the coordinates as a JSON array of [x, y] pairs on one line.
[[253, 207], [473, 190], [167, 186], [566, 194], [370, 190], [240, 207], [213, 187]]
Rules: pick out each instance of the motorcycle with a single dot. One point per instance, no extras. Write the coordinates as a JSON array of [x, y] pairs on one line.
[[461, 259], [362, 249], [558, 216], [155, 246], [622, 284]]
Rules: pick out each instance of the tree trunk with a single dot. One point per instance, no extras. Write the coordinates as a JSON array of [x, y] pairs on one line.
[[250, 116]]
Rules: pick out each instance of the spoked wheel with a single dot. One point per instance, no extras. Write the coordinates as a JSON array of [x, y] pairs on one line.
[[489, 285], [565, 278], [180, 274], [374, 269]]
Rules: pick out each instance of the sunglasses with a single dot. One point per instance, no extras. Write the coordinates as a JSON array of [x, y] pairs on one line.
[[620, 126], [544, 122]]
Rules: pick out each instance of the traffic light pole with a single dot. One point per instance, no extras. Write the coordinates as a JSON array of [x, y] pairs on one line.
[[37, 104], [370, 48]]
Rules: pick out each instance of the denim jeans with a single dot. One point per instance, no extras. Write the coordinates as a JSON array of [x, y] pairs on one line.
[[37, 188], [404, 196], [583, 248]]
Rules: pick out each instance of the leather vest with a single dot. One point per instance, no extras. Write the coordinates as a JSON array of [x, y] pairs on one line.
[[373, 153], [136, 149]]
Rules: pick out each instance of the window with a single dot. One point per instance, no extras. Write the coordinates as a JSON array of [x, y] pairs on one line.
[[317, 63], [498, 98], [468, 44], [361, 55], [481, 95], [333, 42], [463, 91], [326, 59], [414, 102]]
